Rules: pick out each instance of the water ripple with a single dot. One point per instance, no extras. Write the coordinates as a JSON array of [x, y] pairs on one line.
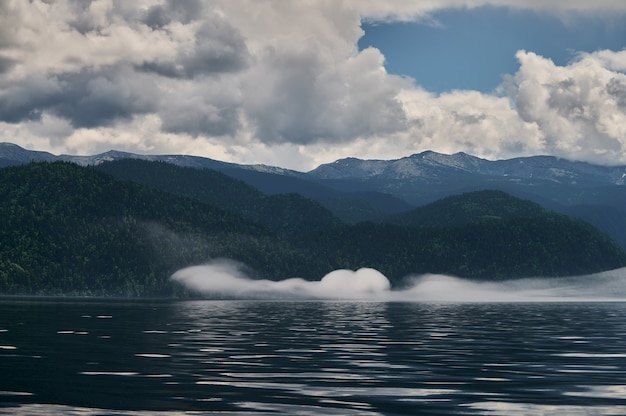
[[313, 358]]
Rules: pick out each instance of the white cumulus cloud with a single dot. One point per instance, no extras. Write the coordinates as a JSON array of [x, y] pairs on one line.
[[283, 83], [579, 108]]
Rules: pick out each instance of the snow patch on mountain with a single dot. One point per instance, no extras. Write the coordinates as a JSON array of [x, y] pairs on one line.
[[425, 166]]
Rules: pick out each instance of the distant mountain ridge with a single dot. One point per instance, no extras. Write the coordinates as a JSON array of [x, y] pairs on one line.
[[12, 154], [423, 165], [358, 190], [430, 165]]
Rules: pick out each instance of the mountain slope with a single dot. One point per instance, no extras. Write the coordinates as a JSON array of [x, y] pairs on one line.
[[358, 190], [485, 235], [574, 188], [431, 165], [66, 229], [350, 207], [283, 213], [71, 230], [470, 208]]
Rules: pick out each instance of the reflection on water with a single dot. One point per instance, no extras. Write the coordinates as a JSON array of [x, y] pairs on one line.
[[248, 357]]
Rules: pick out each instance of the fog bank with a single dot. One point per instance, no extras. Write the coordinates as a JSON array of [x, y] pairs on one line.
[[225, 279]]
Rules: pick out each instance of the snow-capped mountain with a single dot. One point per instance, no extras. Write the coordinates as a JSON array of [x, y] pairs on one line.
[[422, 165], [425, 166], [434, 166], [12, 154]]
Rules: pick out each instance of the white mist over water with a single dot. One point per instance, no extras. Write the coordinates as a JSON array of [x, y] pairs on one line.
[[225, 278]]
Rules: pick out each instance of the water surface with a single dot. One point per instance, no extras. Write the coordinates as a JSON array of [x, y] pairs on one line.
[[253, 357]]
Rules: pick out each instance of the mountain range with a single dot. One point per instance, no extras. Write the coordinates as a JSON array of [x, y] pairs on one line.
[[123, 227], [357, 190]]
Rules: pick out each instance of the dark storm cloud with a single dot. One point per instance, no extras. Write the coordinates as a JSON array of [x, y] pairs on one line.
[[79, 20], [86, 98], [219, 48], [568, 98], [157, 17], [183, 11], [89, 99], [6, 64], [92, 100], [25, 100], [201, 120]]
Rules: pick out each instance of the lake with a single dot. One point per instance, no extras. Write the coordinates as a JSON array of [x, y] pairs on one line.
[[108, 357]]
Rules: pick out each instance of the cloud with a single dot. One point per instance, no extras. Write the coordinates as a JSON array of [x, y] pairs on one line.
[[217, 47], [205, 69], [227, 278], [223, 277], [389, 10], [86, 98], [579, 108], [185, 11], [6, 64], [477, 123], [282, 83], [301, 98], [612, 60], [200, 108], [575, 111], [63, 36]]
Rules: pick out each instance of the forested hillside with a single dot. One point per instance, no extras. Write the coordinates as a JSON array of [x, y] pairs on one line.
[[487, 235], [70, 230], [283, 213], [471, 208]]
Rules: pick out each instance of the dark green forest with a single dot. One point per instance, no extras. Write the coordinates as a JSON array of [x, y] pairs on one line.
[[122, 229]]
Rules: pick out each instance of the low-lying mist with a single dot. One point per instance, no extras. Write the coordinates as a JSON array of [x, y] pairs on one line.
[[224, 278]]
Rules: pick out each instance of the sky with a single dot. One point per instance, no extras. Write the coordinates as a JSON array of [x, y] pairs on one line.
[[298, 83]]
